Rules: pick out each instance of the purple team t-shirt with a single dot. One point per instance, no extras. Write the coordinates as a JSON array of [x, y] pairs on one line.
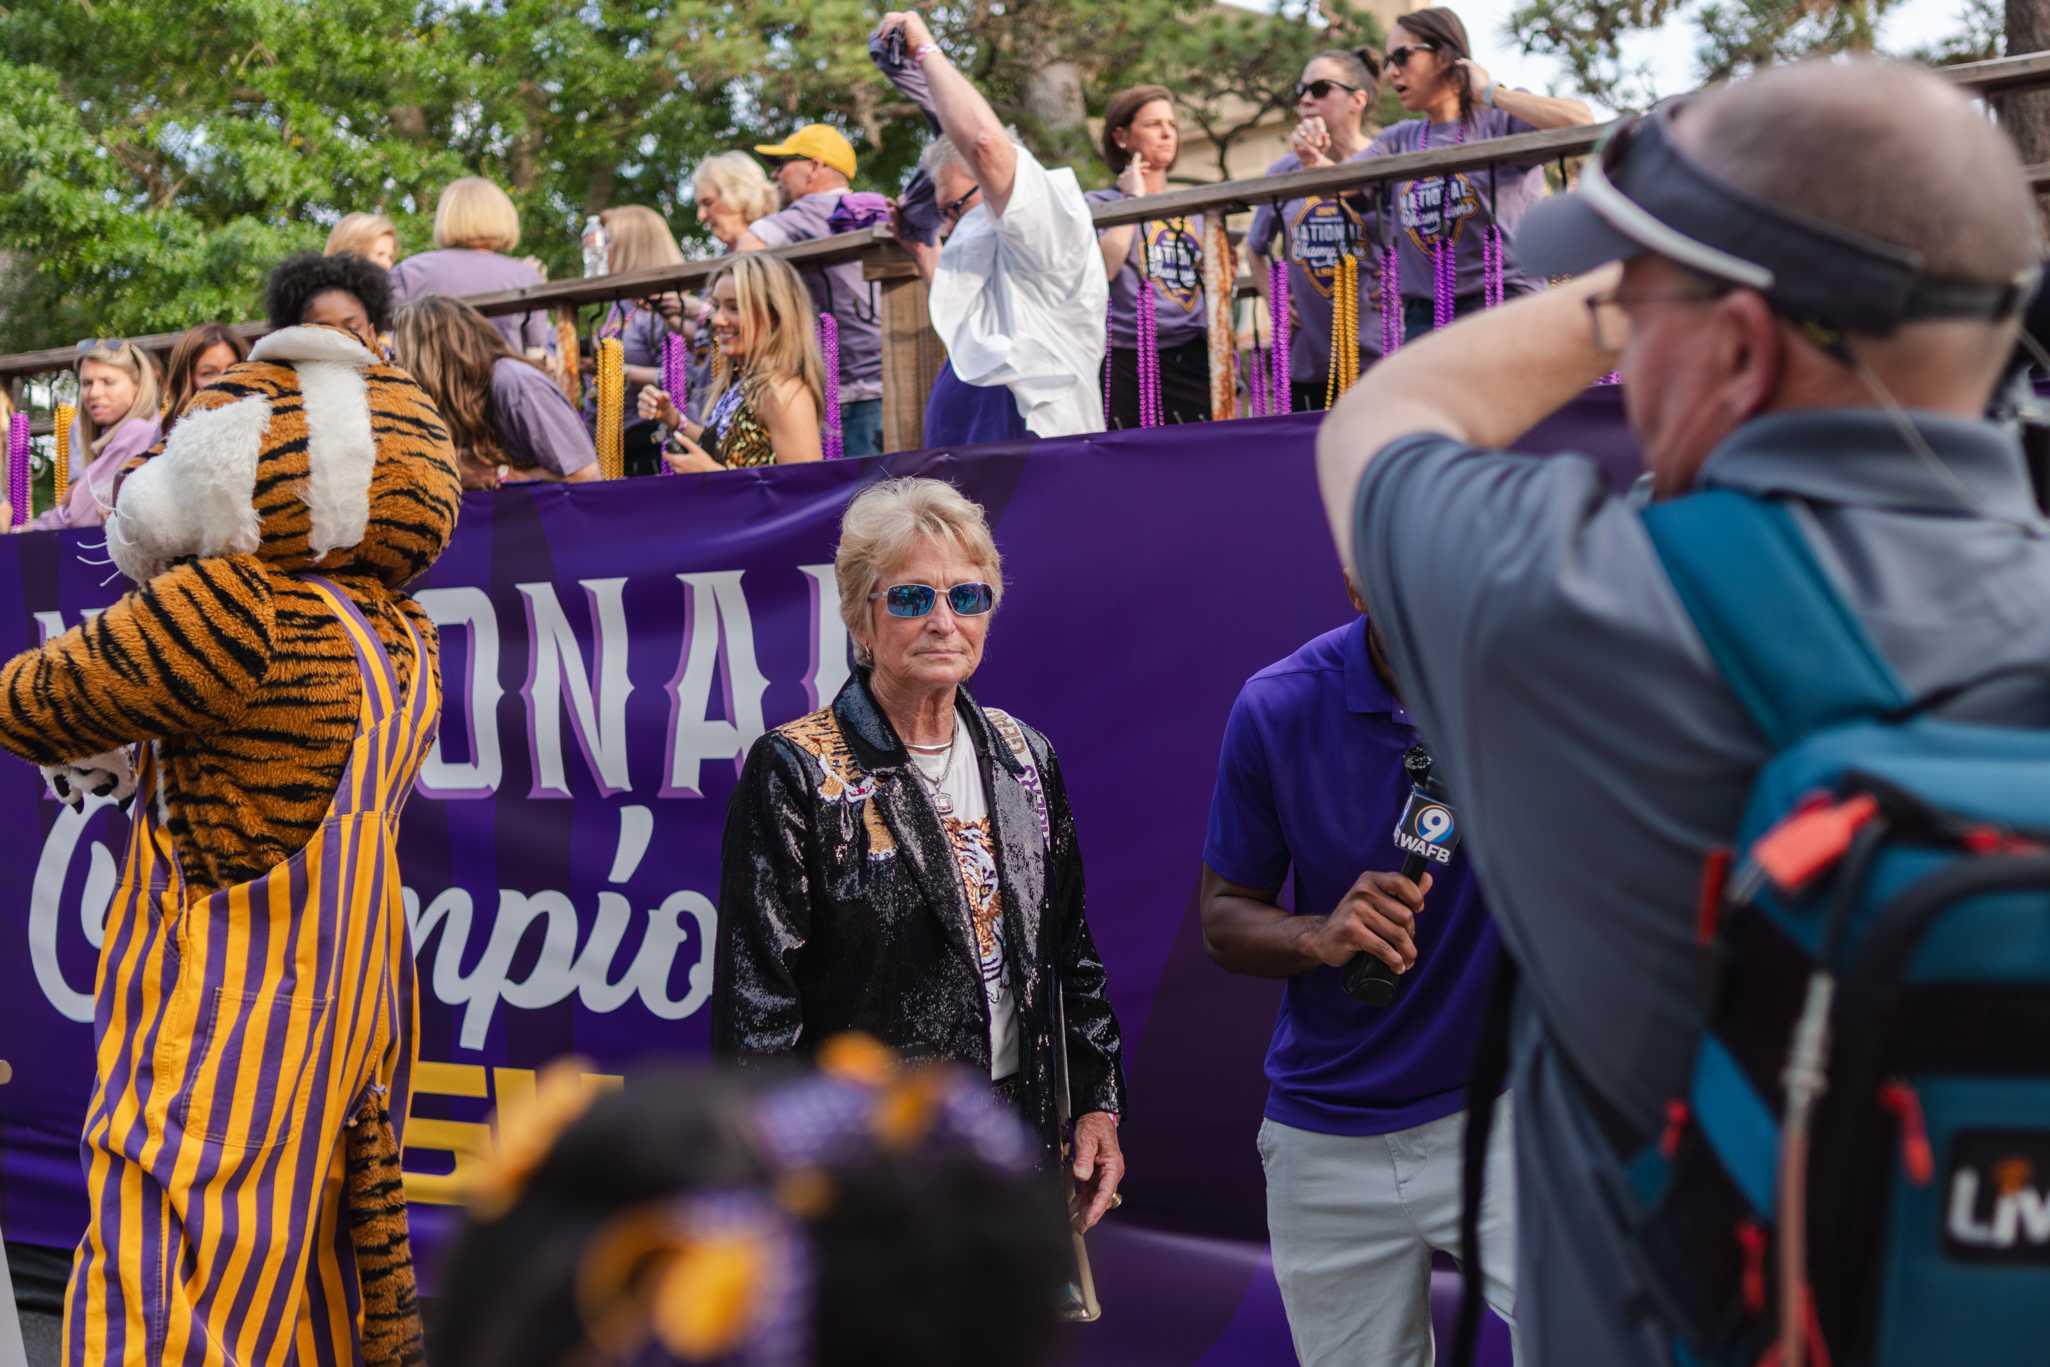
[[458, 272], [534, 422], [839, 290], [1173, 249], [1316, 231], [1424, 207], [1310, 782]]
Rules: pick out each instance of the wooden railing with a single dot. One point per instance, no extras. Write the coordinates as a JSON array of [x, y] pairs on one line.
[[912, 355]]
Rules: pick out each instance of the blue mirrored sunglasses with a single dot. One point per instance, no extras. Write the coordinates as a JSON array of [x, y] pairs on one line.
[[916, 600]]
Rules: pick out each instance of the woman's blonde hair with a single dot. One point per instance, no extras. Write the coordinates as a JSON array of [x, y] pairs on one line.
[[358, 233], [450, 348], [639, 239], [474, 212], [739, 180], [141, 368], [778, 332], [885, 523]]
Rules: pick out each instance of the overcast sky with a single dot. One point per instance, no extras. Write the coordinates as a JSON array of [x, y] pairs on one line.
[[1669, 50]]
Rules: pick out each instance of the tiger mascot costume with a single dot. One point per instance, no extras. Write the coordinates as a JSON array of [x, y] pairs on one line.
[[254, 1006]]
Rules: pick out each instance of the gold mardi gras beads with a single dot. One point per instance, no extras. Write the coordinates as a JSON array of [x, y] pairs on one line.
[[1345, 330], [611, 408], [60, 482]]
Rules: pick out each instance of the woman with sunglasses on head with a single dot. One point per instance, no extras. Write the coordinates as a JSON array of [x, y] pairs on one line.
[[904, 862], [1332, 99], [1140, 143], [1455, 233], [119, 418], [768, 386]]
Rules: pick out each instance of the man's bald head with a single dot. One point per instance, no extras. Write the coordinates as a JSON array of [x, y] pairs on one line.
[[1883, 149]]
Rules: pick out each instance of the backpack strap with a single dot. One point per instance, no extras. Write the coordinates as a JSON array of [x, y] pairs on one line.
[[1773, 622]]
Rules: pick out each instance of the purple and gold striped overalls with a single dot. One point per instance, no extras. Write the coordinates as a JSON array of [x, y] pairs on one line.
[[237, 1033]]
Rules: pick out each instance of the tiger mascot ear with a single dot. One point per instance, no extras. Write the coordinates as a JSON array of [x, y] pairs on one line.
[[311, 454]]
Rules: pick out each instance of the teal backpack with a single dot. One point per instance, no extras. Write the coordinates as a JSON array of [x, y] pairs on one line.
[[1861, 1164]]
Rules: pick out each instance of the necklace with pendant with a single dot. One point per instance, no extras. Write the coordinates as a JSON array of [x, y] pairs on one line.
[[937, 788]]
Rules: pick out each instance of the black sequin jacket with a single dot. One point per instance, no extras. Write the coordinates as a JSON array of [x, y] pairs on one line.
[[840, 907]]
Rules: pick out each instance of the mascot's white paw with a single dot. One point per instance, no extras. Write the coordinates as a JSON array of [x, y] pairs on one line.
[[111, 775]]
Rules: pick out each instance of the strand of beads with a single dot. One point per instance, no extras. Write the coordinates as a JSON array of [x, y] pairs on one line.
[[60, 478], [1257, 381], [675, 380], [1444, 260], [1345, 329], [1491, 268], [1391, 300], [1106, 374], [611, 408], [17, 467], [566, 346], [1148, 339], [835, 444], [1279, 397]]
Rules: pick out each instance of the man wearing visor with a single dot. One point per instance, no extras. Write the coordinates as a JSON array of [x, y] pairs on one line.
[[1811, 283]]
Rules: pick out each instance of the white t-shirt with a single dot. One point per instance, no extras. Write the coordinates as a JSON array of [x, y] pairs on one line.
[[959, 776], [1020, 301]]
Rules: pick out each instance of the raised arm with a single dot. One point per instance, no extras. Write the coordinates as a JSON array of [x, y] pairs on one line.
[[179, 656], [964, 115]]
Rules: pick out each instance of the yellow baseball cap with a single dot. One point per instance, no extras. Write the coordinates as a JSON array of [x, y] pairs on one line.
[[817, 142]]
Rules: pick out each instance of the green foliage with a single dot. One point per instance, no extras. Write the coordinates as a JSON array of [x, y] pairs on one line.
[[158, 156], [1731, 37]]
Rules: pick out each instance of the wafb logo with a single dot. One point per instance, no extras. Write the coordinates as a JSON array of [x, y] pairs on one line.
[[1998, 1197], [1427, 829]]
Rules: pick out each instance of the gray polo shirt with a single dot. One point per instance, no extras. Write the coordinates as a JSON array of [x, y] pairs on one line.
[[1596, 756]]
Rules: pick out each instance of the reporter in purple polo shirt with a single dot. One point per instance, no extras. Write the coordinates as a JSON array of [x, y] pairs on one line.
[[1361, 1140]]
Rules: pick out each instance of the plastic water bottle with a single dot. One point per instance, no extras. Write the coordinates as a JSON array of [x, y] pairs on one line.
[[597, 249]]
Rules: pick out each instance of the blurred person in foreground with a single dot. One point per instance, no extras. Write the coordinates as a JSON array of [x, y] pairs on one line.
[[905, 862], [1810, 281], [1019, 294], [863, 1214]]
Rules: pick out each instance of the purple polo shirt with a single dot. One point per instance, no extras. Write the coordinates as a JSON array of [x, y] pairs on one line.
[[1310, 783]]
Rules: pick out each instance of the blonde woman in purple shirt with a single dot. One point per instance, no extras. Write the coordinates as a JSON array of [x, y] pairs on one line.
[[118, 400], [475, 225]]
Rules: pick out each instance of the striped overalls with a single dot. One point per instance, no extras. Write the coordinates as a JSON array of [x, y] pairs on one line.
[[236, 1035]]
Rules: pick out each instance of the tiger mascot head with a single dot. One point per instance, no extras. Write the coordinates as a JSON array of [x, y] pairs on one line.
[[311, 455]]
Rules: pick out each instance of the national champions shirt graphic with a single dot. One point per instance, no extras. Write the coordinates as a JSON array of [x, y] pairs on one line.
[[1322, 231], [1174, 261]]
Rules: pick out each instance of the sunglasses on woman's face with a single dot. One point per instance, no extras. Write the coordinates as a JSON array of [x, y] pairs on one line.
[[1399, 56], [952, 212], [1317, 90], [916, 600]]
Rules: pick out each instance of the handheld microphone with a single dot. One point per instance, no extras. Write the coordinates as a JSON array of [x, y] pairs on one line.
[[1427, 834]]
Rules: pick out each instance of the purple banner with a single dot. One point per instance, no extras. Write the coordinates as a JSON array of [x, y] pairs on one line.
[[610, 652]]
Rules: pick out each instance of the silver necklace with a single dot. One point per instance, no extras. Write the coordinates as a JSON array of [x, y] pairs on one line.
[[937, 788]]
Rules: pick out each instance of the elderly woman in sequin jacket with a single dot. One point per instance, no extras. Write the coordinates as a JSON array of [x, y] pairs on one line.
[[904, 862]]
